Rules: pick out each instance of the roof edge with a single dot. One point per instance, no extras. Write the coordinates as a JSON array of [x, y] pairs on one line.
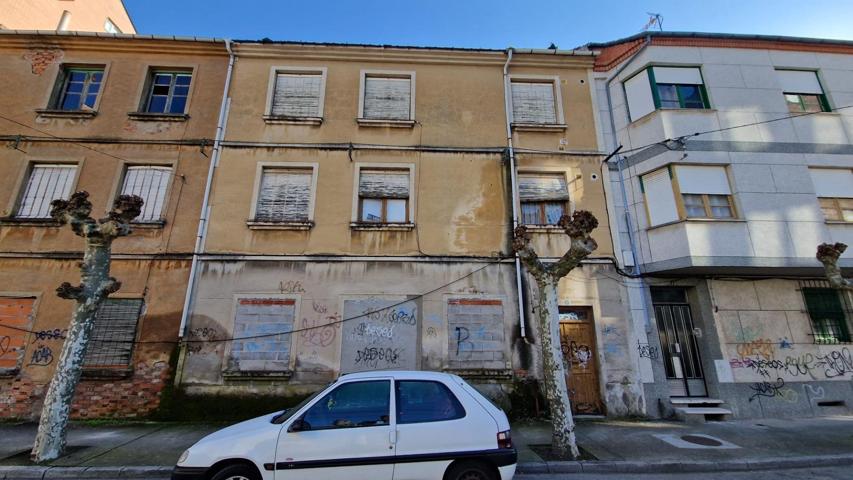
[[719, 36]]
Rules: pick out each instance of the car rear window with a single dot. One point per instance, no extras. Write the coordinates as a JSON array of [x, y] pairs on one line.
[[421, 401]]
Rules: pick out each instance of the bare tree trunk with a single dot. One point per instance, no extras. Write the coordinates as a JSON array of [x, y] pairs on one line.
[[548, 276], [96, 285]]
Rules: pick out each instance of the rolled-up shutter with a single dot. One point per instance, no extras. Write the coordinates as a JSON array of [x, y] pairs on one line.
[[542, 187], [703, 179], [638, 91], [383, 184], [533, 102], [678, 75], [284, 195], [832, 182], [111, 343], [798, 81], [387, 98], [660, 198], [297, 95]]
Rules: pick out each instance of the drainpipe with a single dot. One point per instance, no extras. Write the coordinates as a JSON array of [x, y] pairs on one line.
[[205, 203], [513, 189]]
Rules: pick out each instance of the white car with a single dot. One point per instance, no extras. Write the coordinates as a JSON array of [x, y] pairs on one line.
[[382, 425]]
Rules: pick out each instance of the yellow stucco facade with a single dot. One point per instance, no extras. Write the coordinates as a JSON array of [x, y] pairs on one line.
[[109, 16]]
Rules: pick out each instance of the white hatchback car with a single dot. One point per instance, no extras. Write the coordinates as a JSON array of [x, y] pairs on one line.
[[379, 425]]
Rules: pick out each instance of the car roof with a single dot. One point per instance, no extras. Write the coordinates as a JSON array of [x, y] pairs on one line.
[[399, 375]]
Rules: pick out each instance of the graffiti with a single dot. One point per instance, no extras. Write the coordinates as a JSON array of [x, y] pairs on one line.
[[609, 330], [462, 342], [647, 351], [365, 329], [393, 316], [42, 356], [837, 363], [788, 395], [766, 389], [371, 356], [321, 331], [431, 332], [5, 345], [814, 393], [784, 343], [56, 334], [199, 336], [761, 348], [291, 286], [574, 353]]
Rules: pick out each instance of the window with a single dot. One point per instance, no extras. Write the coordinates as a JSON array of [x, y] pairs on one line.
[[834, 189], [168, 92], [383, 196], [827, 315], [802, 91], [699, 192], [426, 401], [149, 182], [544, 198], [298, 94], [665, 87], [46, 183], [535, 101], [387, 96], [111, 27], [284, 195], [78, 88], [261, 329], [351, 405], [111, 343]]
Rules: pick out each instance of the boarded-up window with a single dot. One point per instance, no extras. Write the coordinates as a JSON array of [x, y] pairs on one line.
[[111, 343], [15, 319], [284, 195], [149, 182], [45, 184], [387, 98], [544, 198], [384, 196], [533, 102], [475, 333], [262, 341], [297, 94]]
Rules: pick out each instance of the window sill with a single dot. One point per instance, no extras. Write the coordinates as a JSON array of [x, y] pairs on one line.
[[259, 225], [390, 227], [155, 224], [375, 122], [481, 373], [257, 375], [545, 229], [106, 373], [29, 222], [837, 222], [698, 220], [158, 117], [539, 127], [662, 109], [284, 120], [50, 113]]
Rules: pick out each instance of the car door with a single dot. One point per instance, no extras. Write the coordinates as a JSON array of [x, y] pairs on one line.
[[434, 427], [348, 433]]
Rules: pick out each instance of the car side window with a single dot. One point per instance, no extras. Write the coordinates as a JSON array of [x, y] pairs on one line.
[[355, 404], [426, 401]]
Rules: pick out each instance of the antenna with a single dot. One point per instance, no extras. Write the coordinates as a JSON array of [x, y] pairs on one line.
[[654, 19]]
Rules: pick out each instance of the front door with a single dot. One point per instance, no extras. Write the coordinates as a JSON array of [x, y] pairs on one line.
[[346, 434], [678, 343], [577, 341]]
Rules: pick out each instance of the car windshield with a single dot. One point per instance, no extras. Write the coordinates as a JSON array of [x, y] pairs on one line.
[[287, 413]]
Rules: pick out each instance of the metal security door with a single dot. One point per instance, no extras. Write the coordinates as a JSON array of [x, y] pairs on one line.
[[678, 343], [577, 341]]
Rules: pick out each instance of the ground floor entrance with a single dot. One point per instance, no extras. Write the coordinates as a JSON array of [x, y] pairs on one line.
[[577, 341], [681, 356]]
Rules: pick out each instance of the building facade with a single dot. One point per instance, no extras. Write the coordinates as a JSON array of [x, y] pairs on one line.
[[108, 116], [737, 164], [107, 16], [360, 216]]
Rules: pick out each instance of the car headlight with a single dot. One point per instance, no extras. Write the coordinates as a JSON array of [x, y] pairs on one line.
[[183, 457]]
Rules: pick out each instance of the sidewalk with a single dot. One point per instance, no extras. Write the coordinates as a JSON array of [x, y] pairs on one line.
[[151, 449]]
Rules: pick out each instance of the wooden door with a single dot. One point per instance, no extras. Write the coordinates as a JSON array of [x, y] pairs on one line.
[[577, 341]]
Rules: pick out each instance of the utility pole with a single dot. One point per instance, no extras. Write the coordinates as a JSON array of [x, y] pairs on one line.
[[96, 285], [547, 276]]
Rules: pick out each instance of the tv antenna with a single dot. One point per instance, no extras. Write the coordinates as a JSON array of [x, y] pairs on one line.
[[654, 19]]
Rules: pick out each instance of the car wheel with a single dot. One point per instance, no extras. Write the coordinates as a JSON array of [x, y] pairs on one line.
[[469, 471], [236, 472]]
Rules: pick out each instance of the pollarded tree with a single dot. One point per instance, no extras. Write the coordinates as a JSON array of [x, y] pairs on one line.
[[547, 276], [828, 254], [96, 285]]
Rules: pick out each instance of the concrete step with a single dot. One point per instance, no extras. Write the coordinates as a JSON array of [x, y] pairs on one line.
[[701, 414], [695, 400]]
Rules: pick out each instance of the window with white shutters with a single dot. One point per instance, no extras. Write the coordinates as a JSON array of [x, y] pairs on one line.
[[284, 195], [688, 191], [111, 343], [387, 97], [46, 183], [384, 196], [834, 189], [544, 198], [297, 95], [151, 183], [533, 102], [802, 91]]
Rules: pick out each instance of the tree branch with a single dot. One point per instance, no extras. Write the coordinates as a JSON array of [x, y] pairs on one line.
[[74, 211], [828, 254], [69, 292], [521, 246], [117, 221], [578, 228]]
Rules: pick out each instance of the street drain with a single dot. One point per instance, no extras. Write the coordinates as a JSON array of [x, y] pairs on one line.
[[705, 441]]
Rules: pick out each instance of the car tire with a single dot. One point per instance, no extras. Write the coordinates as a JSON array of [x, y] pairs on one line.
[[236, 472], [469, 471]]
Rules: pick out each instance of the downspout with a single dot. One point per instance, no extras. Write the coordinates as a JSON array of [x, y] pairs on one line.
[[205, 203], [514, 190]]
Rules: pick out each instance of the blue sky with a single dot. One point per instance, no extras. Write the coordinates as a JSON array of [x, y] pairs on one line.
[[481, 23]]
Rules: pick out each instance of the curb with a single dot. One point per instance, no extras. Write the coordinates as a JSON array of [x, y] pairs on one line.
[[588, 466]]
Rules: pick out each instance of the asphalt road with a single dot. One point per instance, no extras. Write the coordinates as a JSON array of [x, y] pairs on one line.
[[844, 472]]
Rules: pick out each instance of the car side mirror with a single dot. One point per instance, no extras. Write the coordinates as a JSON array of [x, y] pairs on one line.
[[299, 425]]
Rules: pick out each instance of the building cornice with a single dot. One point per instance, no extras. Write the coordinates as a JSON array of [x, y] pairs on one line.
[[101, 42]]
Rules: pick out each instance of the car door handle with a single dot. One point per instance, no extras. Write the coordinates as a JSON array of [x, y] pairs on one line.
[[392, 438]]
